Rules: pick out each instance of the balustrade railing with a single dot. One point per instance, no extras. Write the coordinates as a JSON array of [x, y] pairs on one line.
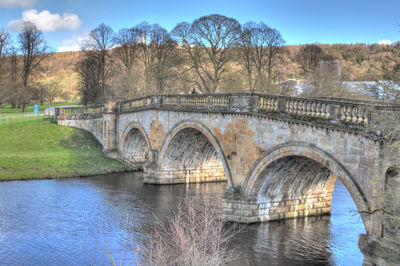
[[329, 110], [219, 100], [354, 114], [135, 103], [78, 110], [170, 100], [268, 103], [311, 108], [194, 100]]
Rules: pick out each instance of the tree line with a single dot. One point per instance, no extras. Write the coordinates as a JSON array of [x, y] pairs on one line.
[[213, 54], [216, 53], [203, 54], [21, 63]]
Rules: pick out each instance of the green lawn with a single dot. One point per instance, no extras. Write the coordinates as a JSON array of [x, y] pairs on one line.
[[29, 109], [46, 150]]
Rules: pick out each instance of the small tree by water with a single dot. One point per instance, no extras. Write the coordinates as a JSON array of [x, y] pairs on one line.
[[195, 235]]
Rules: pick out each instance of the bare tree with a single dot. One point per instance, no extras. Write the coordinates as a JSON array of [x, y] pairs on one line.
[[309, 58], [4, 42], [246, 54], [274, 45], [127, 47], [33, 50], [213, 37], [195, 235], [88, 70], [147, 56], [259, 49], [51, 90], [193, 59], [164, 50], [13, 81], [95, 68], [126, 55], [157, 53]]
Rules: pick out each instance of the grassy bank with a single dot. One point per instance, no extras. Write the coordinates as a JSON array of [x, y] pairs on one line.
[[46, 150]]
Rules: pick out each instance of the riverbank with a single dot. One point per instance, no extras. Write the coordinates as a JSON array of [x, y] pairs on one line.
[[36, 150]]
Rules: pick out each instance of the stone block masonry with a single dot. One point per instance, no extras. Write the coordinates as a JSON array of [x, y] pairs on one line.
[[280, 155]]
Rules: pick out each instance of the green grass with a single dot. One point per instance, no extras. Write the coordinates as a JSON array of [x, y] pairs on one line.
[[35, 150], [29, 109]]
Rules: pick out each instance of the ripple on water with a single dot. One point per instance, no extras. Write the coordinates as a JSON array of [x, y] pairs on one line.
[[71, 221]]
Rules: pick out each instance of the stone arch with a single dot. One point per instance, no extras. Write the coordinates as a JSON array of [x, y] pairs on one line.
[[305, 157], [392, 175], [135, 144], [210, 149]]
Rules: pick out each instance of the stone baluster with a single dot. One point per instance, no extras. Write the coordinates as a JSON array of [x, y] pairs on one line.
[[281, 105], [349, 113], [309, 112], [342, 113], [328, 111], [314, 109], [300, 106], [265, 103], [275, 104], [293, 107], [364, 117], [355, 114], [210, 101], [303, 108], [287, 106], [317, 109]]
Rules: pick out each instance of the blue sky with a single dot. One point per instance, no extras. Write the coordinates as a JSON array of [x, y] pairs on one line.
[[66, 22]]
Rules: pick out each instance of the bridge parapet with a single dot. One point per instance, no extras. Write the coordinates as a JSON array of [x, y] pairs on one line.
[[353, 114], [78, 112]]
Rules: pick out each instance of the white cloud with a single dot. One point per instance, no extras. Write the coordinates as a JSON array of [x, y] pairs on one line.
[[73, 44], [385, 42], [17, 3], [45, 21]]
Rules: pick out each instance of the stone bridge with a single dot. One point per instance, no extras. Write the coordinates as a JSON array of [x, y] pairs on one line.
[[280, 155]]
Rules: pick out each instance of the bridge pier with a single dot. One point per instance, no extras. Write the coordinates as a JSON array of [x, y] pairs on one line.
[[154, 175], [248, 210], [237, 207], [110, 147]]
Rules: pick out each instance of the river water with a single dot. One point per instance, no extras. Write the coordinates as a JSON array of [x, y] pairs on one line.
[[80, 221]]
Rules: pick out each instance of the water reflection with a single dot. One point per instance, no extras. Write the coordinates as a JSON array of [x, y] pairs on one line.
[[72, 221]]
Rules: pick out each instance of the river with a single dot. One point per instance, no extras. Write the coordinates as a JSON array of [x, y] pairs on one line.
[[79, 221]]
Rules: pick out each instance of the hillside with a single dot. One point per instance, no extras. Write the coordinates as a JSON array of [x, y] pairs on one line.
[[60, 67], [358, 62]]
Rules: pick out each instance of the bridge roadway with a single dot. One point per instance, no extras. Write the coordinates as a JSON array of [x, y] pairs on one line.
[[280, 155]]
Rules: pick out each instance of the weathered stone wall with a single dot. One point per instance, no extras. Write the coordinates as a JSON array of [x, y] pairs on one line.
[[247, 143], [92, 125], [244, 138]]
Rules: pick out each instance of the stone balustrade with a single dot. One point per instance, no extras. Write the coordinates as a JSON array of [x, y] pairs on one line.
[[328, 111], [78, 112]]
